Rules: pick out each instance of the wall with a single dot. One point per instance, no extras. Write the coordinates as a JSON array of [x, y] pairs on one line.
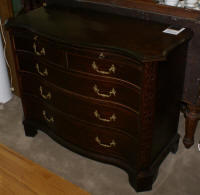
[[6, 11]]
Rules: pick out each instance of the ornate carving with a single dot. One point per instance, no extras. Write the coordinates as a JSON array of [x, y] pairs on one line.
[[147, 113]]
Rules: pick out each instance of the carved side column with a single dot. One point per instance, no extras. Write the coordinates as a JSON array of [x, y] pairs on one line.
[[192, 116]]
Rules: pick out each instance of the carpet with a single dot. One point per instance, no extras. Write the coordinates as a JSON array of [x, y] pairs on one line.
[[179, 174]]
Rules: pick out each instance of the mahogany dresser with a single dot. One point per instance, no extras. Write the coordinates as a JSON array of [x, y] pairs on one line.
[[152, 10], [103, 85]]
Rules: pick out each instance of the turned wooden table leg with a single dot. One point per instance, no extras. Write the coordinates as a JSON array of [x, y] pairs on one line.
[[192, 115]]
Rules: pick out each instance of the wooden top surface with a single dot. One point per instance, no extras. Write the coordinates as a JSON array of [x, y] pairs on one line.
[[19, 175], [82, 27]]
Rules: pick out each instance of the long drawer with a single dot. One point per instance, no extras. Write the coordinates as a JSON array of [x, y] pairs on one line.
[[96, 112], [89, 137], [97, 87]]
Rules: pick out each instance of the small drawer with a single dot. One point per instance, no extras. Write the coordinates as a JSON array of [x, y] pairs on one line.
[[89, 137], [102, 54], [98, 87], [41, 48], [130, 71], [94, 112]]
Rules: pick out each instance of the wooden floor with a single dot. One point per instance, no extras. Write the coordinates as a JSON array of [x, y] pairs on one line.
[[20, 176]]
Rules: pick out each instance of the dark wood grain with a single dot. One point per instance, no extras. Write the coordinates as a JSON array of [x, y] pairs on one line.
[[80, 107], [152, 11], [147, 87], [61, 25], [147, 111], [75, 82], [147, 5], [52, 54], [80, 133], [192, 117], [132, 72]]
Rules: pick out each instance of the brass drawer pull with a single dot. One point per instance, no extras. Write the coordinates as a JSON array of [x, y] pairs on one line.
[[38, 53], [101, 55], [46, 97], [112, 92], [112, 118], [112, 69], [112, 144], [44, 74], [49, 120]]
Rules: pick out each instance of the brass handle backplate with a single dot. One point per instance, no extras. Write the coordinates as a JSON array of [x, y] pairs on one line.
[[112, 69], [101, 55], [112, 92], [112, 118], [49, 120], [112, 144], [46, 97], [44, 74], [38, 53]]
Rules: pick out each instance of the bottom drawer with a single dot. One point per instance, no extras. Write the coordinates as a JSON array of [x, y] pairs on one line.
[[86, 136]]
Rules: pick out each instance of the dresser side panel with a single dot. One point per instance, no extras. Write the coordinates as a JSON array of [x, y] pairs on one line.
[[170, 80]]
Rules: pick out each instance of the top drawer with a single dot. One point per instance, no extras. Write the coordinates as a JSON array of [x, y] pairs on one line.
[[41, 48], [105, 64]]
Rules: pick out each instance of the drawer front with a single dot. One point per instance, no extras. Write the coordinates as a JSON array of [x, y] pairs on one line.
[[98, 87], [41, 48], [89, 137], [92, 111], [127, 71], [98, 54]]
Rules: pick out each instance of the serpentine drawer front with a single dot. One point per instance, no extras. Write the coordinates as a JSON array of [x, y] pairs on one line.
[[130, 71], [95, 111], [93, 138], [102, 85]]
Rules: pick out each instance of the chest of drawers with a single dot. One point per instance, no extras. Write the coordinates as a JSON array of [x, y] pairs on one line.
[[105, 86]]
